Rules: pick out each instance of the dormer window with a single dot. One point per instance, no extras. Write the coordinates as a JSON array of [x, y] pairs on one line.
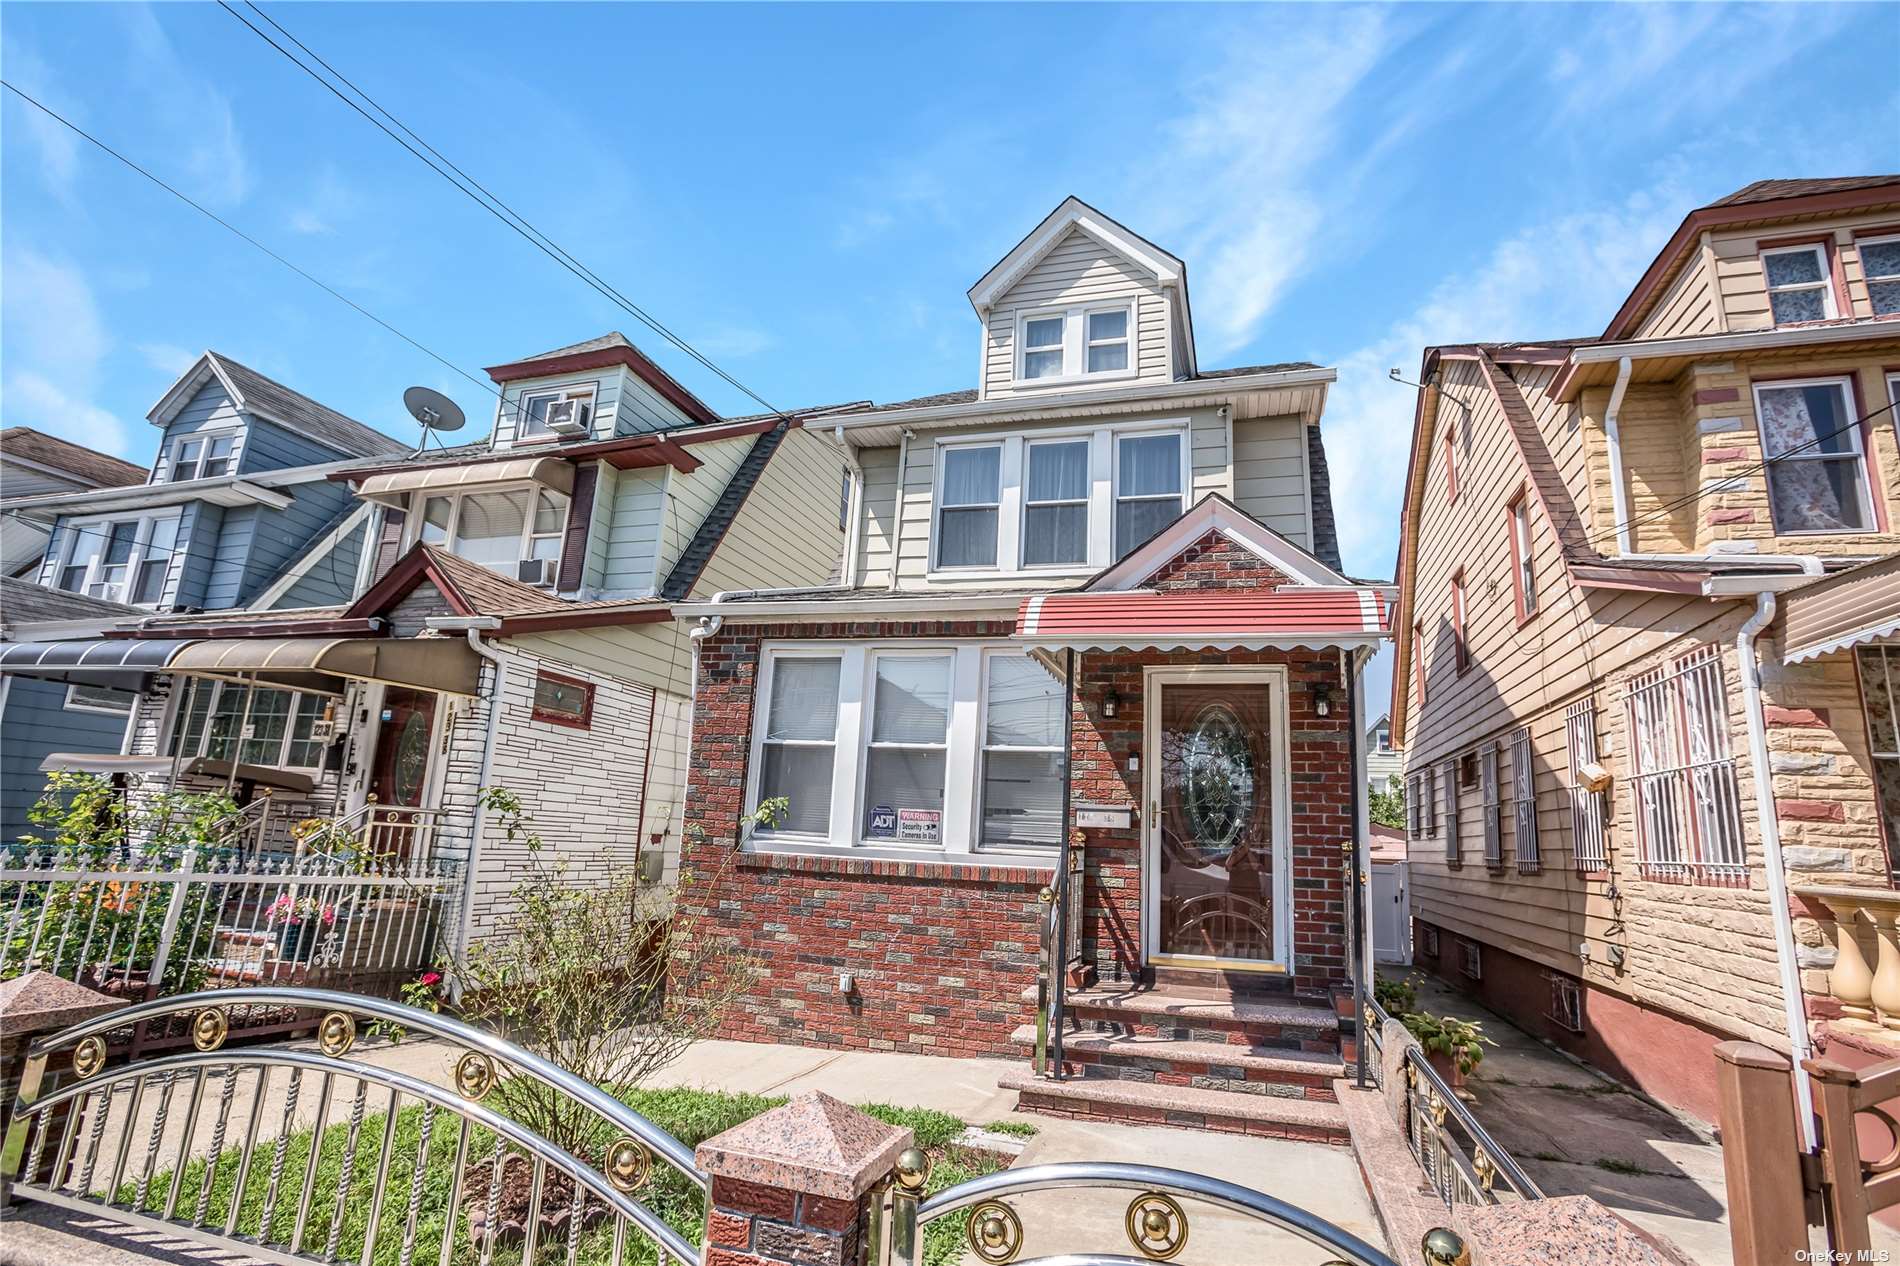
[[514, 531], [1074, 343], [1800, 286], [202, 456], [566, 412]]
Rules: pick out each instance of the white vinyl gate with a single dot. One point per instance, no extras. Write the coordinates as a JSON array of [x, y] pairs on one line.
[[1391, 903]]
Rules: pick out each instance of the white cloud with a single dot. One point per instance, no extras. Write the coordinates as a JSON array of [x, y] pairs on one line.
[[734, 341], [189, 110], [55, 344], [167, 358], [331, 201], [57, 147], [1558, 279]]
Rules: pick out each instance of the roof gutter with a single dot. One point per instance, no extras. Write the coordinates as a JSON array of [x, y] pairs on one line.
[[1073, 399], [1859, 329]]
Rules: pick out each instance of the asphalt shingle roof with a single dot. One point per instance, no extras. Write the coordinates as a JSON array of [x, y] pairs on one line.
[[302, 414], [23, 602], [84, 463], [1775, 190]]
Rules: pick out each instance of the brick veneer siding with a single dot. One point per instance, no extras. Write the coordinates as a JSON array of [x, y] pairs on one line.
[[1215, 562], [940, 954]]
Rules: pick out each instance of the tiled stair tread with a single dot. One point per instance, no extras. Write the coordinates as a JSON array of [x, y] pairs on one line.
[[1155, 1002], [1188, 1052], [1310, 1113]]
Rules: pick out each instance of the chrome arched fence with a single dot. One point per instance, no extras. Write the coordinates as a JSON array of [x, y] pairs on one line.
[[1156, 1226], [201, 1144]]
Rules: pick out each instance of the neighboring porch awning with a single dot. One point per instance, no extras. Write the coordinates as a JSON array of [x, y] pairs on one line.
[[424, 663], [1861, 604], [1303, 617], [96, 661], [393, 487], [204, 766]]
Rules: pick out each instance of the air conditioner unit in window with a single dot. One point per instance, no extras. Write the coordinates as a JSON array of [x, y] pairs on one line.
[[535, 571], [569, 417]]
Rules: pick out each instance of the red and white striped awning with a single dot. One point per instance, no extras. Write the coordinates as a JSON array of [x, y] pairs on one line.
[[1302, 616]]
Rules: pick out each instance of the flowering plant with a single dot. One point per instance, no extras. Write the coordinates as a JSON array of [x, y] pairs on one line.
[[292, 911]]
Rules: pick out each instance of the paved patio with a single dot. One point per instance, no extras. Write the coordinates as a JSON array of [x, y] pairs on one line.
[[1323, 1180]]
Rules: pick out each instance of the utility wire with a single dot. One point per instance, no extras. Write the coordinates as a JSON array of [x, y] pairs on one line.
[[477, 192], [201, 209], [1699, 493]]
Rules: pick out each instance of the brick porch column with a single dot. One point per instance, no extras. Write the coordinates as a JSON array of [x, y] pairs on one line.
[[798, 1185], [32, 1006]]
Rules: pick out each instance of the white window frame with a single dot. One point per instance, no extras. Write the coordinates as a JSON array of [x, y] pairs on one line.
[[868, 741], [1030, 445], [1524, 563], [175, 451], [1869, 280], [1850, 410], [524, 547], [181, 715], [74, 703], [1104, 484], [961, 835], [1825, 285], [74, 531], [1589, 810], [1186, 439], [1493, 812], [984, 748], [1075, 344], [587, 391]]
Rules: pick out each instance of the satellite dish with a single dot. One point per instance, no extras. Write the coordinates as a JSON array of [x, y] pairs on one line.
[[434, 410]]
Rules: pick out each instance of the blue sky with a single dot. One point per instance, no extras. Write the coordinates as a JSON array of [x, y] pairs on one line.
[[806, 192]]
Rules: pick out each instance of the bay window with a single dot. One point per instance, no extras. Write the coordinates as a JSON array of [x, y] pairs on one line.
[[1066, 345], [1817, 476], [1800, 285], [1056, 503], [969, 506], [120, 560], [1148, 489], [896, 749], [499, 529], [1880, 261], [277, 730]]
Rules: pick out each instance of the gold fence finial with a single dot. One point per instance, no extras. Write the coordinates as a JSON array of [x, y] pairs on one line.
[[1443, 1246]]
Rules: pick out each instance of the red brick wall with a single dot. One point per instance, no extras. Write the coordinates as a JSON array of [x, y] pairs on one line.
[[941, 954], [1322, 795], [1214, 562]]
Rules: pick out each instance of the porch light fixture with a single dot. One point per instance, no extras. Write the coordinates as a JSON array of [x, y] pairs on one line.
[[1111, 703], [1322, 699]]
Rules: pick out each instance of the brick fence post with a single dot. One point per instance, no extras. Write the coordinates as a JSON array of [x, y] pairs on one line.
[[32, 1006], [799, 1185]]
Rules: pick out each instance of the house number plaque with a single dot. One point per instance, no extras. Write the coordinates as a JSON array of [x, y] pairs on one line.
[[1102, 816]]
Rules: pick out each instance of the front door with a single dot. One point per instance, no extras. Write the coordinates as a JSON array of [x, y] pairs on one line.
[[400, 774], [1218, 887]]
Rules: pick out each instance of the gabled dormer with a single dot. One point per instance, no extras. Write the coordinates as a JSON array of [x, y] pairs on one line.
[[1082, 302], [596, 390]]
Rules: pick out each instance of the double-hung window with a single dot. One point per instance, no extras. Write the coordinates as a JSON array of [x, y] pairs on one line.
[[1880, 262], [120, 560], [1523, 565], [799, 749], [1687, 802], [1056, 503], [1148, 491], [907, 751], [970, 506], [1461, 649], [202, 457], [1023, 736], [277, 728], [500, 530], [1817, 474], [1800, 285], [1073, 344]]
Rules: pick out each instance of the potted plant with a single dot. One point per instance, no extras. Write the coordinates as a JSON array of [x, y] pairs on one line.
[[300, 923], [1396, 995], [1453, 1047]]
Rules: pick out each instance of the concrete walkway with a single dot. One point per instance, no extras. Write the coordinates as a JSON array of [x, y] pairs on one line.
[[1323, 1180]]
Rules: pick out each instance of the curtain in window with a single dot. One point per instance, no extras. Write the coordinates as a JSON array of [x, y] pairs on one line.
[[1811, 491], [967, 536], [1057, 533], [1150, 469]]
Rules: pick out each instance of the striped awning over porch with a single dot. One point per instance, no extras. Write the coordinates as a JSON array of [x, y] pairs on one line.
[[1861, 604], [1294, 617], [304, 663]]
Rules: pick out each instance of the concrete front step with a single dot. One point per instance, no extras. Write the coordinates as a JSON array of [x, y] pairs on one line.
[[1164, 1061], [1145, 1103], [1284, 1025]]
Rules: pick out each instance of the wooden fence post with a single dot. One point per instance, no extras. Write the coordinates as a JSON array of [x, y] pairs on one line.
[[1761, 1155]]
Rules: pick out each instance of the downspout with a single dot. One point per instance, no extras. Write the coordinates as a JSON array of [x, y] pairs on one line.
[[1800, 1048], [848, 573], [708, 626], [472, 628], [897, 517], [1619, 498]]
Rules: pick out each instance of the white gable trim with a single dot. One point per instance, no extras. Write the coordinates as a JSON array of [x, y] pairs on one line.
[[316, 553], [1073, 213], [193, 380], [1215, 514]]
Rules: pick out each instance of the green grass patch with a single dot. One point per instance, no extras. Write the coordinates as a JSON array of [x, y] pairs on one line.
[[1016, 1129], [341, 1210]]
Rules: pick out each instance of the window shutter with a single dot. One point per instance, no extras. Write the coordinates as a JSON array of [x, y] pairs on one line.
[[389, 548], [1451, 810], [580, 510]]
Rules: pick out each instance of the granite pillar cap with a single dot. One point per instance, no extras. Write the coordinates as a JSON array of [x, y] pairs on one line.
[[40, 1002], [815, 1145]]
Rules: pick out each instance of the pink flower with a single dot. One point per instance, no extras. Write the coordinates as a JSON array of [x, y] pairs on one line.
[[431, 978]]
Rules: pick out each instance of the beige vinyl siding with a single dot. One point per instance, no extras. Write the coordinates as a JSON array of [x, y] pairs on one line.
[[1271, 481], [1739, 272], [786, 535], [1077, 270], [1687, 305], [632, 550], [656, 654], [691, 495], [877, 514]]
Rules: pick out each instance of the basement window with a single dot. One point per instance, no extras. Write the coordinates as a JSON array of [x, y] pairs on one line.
[[1470, 958], [1566, 1003]]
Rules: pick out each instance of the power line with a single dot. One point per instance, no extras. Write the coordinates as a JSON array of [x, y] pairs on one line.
[[201, 209], [479, 193]]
